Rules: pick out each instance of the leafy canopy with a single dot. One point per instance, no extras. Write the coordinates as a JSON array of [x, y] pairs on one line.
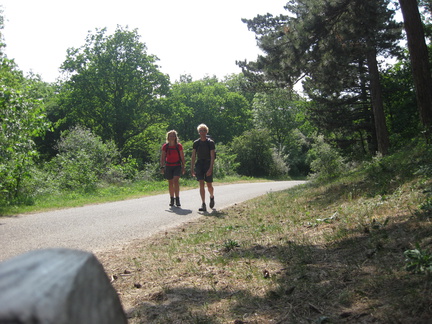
[[113, 86]]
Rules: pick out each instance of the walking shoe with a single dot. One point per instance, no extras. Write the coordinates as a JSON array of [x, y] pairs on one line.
[[212, 202], [172, 201], [177, 201], [203, 207]]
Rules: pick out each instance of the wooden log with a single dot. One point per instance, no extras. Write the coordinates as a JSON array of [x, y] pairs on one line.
[[57, 286]]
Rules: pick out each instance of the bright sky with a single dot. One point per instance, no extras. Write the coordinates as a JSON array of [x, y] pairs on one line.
[[197, 37]]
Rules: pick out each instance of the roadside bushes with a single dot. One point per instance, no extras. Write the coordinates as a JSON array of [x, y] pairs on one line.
[[256, 155], [225, 164], [83, 160], [325, 161], [21, 119]]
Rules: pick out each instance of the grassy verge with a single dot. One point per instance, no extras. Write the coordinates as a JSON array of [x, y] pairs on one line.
[[319, 253]]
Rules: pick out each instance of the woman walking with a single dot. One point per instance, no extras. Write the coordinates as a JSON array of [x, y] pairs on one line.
[[172, 163]]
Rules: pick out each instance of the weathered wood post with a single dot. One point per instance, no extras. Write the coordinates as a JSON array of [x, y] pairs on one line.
[[58, 286]]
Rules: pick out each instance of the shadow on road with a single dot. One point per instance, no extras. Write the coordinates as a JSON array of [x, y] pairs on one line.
[[179, 211]]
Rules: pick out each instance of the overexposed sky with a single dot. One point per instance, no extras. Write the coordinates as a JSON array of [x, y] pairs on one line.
[[197, 37]]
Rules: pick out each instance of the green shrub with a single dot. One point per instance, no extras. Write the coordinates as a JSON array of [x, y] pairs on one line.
[[254, 152], [145, 146], [279, 167], [424, 160], [325, 161], [225, 163], [418, 261], [126, 170], [21, 119], [83, 160]]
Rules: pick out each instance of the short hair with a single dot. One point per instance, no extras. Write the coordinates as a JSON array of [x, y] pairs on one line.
[[169, 132], [202, 126]]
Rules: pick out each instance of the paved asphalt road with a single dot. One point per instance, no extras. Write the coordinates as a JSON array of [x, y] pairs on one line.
[[104, 226]]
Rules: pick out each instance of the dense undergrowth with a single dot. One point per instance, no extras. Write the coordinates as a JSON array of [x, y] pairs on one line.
[[356, 249]]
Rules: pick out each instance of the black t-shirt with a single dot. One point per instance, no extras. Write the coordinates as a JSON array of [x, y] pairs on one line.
[[203, 148]]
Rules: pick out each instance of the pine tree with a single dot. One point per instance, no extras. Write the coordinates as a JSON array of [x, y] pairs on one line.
[[334, 46], [419, 61]]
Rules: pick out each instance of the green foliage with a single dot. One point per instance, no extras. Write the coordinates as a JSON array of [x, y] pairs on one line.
[[279, 167], [127, 169], [83, 160], [255, 154], [22, 118], [400, 102], [424, 162], [276, 111], [239, 83], [325, 161], [225, 165], [282, 112], [418, 261], [230, 245], [145, 146], [426, 206], [385, 173], [114, 87], [332, 46], [208, 101], [425, 159], [297, 147]]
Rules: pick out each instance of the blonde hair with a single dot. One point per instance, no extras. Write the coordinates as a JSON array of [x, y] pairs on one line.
[[202, 126], [169, 132]]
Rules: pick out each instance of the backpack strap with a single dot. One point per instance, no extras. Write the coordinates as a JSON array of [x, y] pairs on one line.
[[207, 143]]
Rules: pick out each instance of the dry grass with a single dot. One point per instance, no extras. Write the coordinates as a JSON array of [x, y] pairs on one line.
[[329, 253], [313, 254]]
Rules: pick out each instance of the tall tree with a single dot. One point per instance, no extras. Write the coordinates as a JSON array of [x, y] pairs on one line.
[[335, 45], [419, 61], [113, 86]]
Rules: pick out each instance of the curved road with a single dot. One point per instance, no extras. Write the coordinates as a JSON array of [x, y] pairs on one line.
[[104, 226]]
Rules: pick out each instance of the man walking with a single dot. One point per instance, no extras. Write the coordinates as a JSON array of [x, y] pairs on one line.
[[203, 153]]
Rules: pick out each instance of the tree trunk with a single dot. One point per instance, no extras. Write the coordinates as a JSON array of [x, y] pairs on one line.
[[377, 103], [419, 61]]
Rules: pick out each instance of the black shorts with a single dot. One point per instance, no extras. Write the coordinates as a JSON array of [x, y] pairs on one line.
[[201, 168], [172, 171]]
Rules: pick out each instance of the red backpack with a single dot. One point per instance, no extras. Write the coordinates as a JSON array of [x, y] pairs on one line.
[[167, 148]]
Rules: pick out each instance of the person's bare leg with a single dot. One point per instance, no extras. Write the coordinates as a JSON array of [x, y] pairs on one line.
[[176, 185], [171, 191], [202, 190], [211, 193], [202, 194], [171, 187], [210, 188]]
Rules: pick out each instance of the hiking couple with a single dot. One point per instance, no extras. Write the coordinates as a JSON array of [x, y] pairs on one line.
[[172, 164]]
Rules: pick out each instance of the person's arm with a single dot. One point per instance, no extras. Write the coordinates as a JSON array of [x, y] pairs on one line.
[[193, 162], [212, 158]]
